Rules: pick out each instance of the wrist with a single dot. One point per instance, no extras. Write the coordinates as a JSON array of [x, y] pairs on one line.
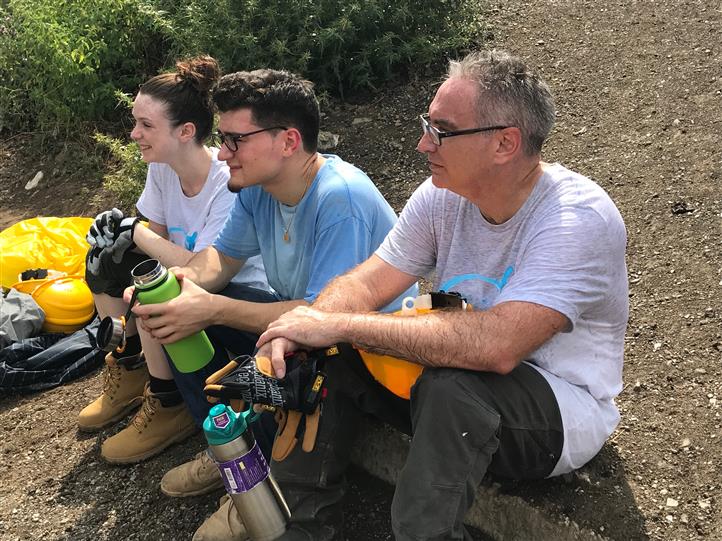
[[342, 325], [216, 309]]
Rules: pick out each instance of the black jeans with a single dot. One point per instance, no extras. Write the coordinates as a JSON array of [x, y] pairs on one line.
[[463, 424]]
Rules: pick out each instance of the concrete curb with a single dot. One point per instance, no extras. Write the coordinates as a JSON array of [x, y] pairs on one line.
[[382, 451]]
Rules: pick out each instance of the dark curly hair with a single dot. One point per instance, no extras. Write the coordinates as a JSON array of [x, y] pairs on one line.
[[275, 98], [187, 93]]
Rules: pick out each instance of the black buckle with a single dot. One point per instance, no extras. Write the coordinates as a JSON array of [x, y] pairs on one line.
[[33, 274], [442, 299]]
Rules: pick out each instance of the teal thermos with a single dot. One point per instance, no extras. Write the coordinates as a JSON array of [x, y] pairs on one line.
[[245, 473], [155, 285]]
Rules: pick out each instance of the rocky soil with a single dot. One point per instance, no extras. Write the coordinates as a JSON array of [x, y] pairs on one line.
[[639, 94]]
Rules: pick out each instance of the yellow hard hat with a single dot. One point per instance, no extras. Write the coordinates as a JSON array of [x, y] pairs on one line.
[[397, 375], [66, 301]]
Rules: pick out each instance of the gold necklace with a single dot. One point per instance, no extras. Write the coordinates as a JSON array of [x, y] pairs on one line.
[[310, 173]]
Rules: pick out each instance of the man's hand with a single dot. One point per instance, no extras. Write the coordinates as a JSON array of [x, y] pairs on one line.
[[302, 326], [276, 350], [186, 314]]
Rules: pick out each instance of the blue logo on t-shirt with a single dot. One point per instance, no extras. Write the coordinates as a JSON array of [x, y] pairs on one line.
[[190, 239], [499, 284]]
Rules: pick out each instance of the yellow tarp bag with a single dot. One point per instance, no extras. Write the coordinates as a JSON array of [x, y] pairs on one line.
[[43, 243]]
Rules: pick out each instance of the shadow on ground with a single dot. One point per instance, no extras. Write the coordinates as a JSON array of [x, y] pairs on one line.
[[598, 497]]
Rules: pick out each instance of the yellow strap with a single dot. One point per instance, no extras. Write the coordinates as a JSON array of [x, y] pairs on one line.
[[286, 436], [215, 377], [309, 437]]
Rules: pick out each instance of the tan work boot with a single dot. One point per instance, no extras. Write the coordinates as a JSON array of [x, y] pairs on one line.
[[199, 476], [223, 525], [122, 393], [153, 428]]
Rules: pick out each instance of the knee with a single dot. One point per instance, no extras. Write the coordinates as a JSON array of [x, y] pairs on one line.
[[451, 398], [436, 385]]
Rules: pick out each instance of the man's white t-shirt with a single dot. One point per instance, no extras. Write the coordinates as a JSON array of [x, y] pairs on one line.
[[564, 249], [194, 222]]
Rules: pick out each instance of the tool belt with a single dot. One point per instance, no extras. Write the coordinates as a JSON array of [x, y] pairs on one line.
[[296, 397]]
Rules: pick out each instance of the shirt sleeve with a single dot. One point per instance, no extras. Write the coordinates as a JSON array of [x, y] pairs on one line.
[[411, 245], [238, 238], [338, 249], [150, 203], [569, 265]]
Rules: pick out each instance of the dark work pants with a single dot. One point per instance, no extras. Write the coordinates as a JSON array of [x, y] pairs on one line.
[[463, 424]]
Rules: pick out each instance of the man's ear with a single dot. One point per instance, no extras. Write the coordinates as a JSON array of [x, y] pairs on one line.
[[292, 141], [187, 131], [509, 144]]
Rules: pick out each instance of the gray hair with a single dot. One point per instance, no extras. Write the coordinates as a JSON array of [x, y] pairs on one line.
[[510, 94]]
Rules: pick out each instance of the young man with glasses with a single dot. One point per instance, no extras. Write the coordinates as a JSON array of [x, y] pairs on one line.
[[523, 384], [311, 217]]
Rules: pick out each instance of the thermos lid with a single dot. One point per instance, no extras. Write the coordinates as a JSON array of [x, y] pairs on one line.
[[223, 424]]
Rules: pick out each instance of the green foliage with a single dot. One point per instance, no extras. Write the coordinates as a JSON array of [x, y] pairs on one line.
[[128, 171], [61, 61], [339, 44]]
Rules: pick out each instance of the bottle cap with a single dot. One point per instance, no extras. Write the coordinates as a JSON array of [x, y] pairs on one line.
[[223, 424]]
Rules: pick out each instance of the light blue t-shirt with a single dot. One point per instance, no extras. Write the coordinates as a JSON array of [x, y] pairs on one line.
[[338, 224]]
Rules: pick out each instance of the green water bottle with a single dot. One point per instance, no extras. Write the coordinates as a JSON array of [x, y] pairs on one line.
[[155, 285]]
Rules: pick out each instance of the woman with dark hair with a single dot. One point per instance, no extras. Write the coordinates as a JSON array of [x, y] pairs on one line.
[[186, 201]]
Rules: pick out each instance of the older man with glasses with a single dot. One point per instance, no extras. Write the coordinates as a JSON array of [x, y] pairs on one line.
[[522, 384], [310, 216]]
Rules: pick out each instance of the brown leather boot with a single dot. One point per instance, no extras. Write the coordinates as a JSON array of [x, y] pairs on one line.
[[196, 477], [122, 392], [223, 525], [154, 428]]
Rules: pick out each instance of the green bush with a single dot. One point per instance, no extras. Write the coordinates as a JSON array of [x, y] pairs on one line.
[[61, 61], [340, 44], [126, 178]]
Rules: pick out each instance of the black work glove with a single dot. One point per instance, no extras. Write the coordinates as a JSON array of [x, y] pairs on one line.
[[100, 233], [94, 259], [123, 238], [301, 388], [112, 231]]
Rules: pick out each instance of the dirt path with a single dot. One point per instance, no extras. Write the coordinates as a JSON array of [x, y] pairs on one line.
[[639, 94]]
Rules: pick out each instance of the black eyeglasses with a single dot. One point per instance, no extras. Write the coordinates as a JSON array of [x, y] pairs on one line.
[[231, 139], [436, 136]]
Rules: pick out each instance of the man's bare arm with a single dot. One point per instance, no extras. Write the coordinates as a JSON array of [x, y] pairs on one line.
[[495, 340], [369, 286], [250, 316]]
